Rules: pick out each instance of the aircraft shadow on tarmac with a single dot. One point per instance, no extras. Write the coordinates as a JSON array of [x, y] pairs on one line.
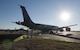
[[68, 36]]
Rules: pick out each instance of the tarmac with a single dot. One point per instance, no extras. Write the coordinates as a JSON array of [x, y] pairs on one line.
[[73, 36]]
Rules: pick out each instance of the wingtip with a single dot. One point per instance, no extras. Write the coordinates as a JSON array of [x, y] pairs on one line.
[[13, 22]]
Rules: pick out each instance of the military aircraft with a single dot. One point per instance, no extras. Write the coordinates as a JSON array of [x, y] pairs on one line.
[[43, 27]]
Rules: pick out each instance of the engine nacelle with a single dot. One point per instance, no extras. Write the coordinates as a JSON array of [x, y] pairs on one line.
[[68, 29]]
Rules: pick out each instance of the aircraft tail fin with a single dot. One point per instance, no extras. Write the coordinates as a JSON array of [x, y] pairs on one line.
[[26, 16]]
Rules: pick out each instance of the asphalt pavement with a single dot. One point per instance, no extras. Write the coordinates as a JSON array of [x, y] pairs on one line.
[[63, 36]]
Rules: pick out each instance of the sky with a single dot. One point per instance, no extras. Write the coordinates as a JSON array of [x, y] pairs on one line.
[[40, 11]]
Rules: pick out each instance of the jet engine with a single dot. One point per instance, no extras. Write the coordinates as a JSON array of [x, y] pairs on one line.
[[68, 29]]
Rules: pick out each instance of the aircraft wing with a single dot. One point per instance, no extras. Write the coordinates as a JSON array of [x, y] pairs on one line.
[[68, 26]]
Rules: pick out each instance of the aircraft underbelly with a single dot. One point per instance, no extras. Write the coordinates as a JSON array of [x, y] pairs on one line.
[[46, 28]]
